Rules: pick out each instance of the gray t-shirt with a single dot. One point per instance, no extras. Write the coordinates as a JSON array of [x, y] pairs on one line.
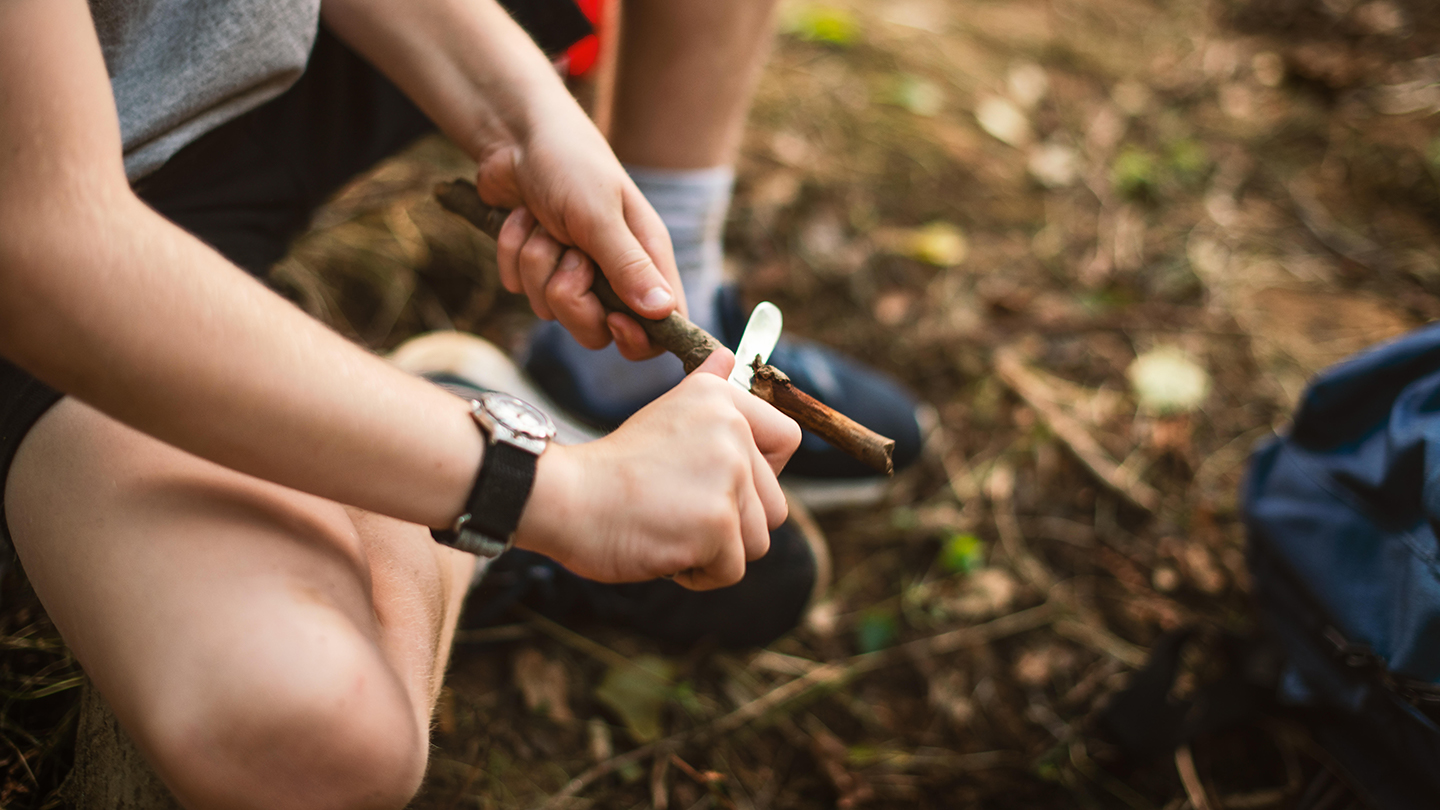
[[180, 68]]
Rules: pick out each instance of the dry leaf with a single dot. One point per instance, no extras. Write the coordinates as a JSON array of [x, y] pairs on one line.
[[983, 594], [544, 685], [949, 694], [1166, 380], [1382, 17], [1002, 119], [602, 744], [1028, 84], [920, 96], [637, 693], [1165, 579], [1037, 667], [939, 243], [1054, 165], [893, 307], [1269, 68], [1203, 570], [1132, 97]]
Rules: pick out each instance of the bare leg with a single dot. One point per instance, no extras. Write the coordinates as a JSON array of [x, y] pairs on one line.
[[685, 73], [264, 648]]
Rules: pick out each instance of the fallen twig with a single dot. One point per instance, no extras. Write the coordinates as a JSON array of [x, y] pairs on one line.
[[579, 783], [704, 779], [1335, 237], [1036, 393], [831, 753], [1190, 778], [1001, 489], [594, 649], [1085, 766], [1102, 641], [821, 676], [1003, 627], [659, 794], [1233, 454]]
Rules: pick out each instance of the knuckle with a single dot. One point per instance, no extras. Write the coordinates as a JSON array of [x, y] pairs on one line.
[[539, 250], [731, 457], [736, 421], [761, 547], [671, 562], [729, 573], [559, 298], [629, 263], [791, 436], [719, 521], [777, 513], [711, 409]]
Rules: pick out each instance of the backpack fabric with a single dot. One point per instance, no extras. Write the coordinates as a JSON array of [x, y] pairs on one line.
[[1342, 519]]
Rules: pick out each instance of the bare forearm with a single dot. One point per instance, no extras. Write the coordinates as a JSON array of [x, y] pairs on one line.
[[470, 67], [105, 300], [185, 347]]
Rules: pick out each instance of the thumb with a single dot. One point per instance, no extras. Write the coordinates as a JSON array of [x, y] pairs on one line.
[[719, 363], [633, 250]]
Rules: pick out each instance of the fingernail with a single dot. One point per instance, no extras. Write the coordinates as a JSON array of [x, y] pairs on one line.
[[656, 298]]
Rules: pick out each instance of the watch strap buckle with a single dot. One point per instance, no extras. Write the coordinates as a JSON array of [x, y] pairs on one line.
[[470, 540]]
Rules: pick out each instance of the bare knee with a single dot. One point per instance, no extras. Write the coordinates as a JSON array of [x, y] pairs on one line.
[[331, 727]]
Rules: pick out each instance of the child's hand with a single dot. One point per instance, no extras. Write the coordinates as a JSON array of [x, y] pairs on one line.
[[572, 199], [686, 488]]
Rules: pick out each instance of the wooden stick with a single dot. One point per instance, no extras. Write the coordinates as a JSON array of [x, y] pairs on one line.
[[771, 385], [677, 335], [674, 332]]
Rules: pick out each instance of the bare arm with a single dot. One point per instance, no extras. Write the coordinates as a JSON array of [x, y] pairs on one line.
[[104, 299]]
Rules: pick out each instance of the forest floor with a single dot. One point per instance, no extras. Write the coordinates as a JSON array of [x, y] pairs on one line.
[[1109, 241]]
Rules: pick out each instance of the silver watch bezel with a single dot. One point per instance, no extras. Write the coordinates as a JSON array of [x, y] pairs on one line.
[[489, 412]]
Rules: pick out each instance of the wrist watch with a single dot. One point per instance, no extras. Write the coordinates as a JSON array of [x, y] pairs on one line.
[[516, 433]]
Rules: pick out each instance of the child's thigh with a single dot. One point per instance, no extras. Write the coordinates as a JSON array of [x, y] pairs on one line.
[[190, 592]]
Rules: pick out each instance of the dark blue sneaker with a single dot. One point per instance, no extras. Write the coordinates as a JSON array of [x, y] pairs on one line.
[[818, 474], [768, 602]]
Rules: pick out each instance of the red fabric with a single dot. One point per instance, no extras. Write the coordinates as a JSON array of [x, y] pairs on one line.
[[584, 53]]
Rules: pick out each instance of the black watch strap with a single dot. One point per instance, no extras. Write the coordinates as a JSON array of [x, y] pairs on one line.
[[492, 512]]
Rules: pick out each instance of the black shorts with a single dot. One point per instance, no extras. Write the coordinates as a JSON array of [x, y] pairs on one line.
[[250, 186]]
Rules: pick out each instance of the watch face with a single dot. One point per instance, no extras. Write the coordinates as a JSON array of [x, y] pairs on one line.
[[518, 415]]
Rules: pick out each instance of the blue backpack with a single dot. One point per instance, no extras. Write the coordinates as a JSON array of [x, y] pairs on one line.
[[1342, 518]]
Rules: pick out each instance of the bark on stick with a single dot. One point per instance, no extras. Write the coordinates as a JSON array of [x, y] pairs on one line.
[[772, 385], [677, 335]]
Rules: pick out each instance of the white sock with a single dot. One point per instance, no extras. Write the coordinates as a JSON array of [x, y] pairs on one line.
[[693, 204]]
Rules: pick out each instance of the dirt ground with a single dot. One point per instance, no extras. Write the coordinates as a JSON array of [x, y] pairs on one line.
[[1108, 241]]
